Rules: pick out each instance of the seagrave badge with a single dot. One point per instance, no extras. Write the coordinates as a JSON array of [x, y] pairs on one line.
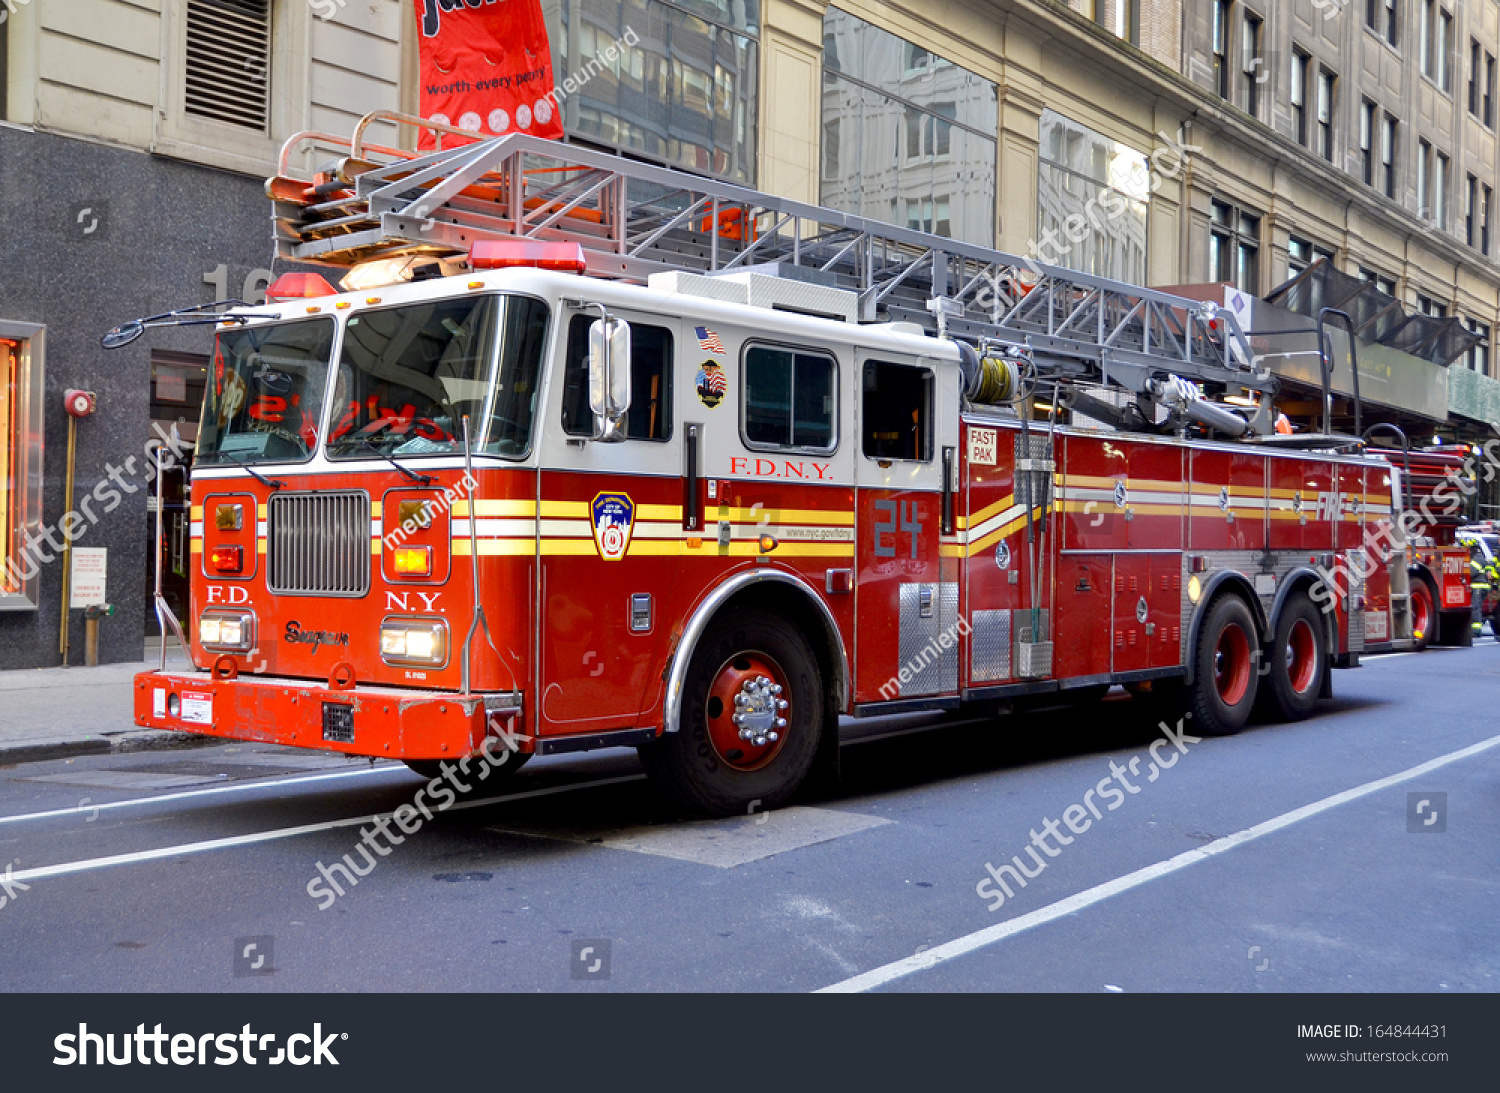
[[711, 384], [613, 516]]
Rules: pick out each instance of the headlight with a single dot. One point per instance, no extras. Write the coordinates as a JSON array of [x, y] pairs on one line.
[[414, 641], [229, 631]]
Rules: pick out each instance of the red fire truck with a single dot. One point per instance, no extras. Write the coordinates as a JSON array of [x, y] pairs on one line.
[[611, 455]]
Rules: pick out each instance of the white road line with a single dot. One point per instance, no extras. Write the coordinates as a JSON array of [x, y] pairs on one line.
[[962, 946], [186, 794], [42, 872]]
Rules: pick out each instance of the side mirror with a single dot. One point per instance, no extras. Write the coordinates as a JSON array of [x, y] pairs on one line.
[[609, 377]]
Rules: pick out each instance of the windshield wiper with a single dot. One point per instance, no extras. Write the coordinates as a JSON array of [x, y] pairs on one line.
[[269, 483], [411, 475]]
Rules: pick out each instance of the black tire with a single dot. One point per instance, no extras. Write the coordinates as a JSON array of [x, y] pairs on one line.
[[433, 768], [1222, 694], [703, 766], [1421, 593], [1297, 666]]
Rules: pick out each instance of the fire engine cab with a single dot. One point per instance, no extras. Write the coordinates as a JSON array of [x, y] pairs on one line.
[[592, 454]]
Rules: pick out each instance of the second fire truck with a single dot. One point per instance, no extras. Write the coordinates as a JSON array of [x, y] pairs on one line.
[[594, 454]]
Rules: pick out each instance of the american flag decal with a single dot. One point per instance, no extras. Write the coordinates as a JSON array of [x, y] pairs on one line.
[[709, 341]]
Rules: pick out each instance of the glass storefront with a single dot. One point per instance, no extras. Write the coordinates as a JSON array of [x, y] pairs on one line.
[[908, 136], [1092, 198]]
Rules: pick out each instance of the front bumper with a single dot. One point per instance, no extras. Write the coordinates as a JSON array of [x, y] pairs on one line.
[[376, 721]]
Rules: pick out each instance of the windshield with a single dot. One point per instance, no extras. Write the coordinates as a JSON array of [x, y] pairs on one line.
[[408, 375], [264, 397]]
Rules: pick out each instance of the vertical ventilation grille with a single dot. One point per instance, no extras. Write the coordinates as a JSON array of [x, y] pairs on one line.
[[229, 61], [319, 543]]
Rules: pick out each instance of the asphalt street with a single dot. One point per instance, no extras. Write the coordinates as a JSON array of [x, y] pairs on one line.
[[1288, 858]]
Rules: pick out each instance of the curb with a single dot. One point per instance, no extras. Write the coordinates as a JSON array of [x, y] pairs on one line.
[[119, 743]]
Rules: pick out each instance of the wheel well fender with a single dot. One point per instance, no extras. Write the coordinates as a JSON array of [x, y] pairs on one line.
[[778, 590], [1224, 582], [1304, 579]]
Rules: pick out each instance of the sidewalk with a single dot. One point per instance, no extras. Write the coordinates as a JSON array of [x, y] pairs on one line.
[[54, 713]]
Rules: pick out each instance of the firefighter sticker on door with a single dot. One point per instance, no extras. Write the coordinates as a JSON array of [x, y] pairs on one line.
[[711, 383], [613, 516]]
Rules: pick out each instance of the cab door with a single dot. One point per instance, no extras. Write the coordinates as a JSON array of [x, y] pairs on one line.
[[907, 594], [609, 521]]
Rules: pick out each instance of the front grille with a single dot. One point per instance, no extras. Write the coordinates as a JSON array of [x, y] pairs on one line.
[[319, 543], [338, 722]]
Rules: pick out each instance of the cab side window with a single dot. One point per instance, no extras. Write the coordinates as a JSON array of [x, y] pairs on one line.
[[789, 399], [650, 414], [897, 411]]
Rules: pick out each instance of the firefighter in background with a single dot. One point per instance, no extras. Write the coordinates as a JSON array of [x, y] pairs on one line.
[[1484, 579]]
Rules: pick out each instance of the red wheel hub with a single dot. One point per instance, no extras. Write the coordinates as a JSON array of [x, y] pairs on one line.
[[748, 711], [1301, 656], [1232, 666], [1421, 612]]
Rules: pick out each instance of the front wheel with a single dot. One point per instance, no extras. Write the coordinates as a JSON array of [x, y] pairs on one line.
[[1423, 613], [752, 715], [1222, 693], [1299, 661]]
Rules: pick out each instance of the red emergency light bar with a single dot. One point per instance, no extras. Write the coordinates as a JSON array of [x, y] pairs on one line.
[[511, 253], [299, 286]]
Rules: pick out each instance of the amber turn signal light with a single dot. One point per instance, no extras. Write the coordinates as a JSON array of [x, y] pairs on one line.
[[413, 561]]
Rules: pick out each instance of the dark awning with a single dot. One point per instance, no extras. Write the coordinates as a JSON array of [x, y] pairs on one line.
[[1378, 318]]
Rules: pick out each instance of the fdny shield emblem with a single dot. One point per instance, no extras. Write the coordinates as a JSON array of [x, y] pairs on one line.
[[613, 517]]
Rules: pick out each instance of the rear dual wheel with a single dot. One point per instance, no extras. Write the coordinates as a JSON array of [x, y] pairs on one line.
[[1298, 661], [752, 714]]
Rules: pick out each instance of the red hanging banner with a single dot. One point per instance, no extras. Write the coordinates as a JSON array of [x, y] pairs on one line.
[[487, 67]]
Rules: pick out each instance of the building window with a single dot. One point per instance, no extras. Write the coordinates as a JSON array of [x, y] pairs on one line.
[[1488, 114], [1380, 16], [1128, 21], [228, 65], [1367, 142], [913, 135], [1300, 67], [1471, 203], [1431, 308], [1302, 253], [1440, 191], [683, 87], [1444, 50], [1486, 196], [1252, 63], [1424, 170], [1381, 282], [789, 399], [1093, 194], [1476, 69], [21, 391], [1478, 356], [1234, 247], [1221, 47], [1326, 82], [1388, 155], [897, 417]]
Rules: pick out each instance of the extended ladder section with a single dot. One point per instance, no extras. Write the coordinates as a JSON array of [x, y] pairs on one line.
[[634, 220]]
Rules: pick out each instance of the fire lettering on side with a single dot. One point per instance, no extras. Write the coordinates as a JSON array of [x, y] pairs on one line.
[[233, 595], [805, 470]]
